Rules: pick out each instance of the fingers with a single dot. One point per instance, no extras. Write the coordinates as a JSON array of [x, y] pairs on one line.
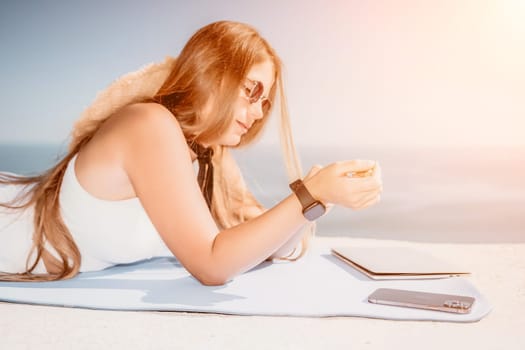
[[332, 184], [366, 185], [378, 173], [359, 201], [366, 191], [369, 183], [355, 166], [367, 199], [371, 202]]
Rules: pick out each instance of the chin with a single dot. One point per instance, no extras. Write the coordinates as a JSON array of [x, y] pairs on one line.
[[230, 140]]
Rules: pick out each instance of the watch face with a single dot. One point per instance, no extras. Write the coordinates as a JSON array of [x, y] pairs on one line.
[[314, 211]]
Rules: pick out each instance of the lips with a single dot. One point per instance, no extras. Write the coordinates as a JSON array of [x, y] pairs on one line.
[[244, 126]]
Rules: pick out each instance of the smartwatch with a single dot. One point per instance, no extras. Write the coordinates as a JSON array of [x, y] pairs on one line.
[[312, 208]]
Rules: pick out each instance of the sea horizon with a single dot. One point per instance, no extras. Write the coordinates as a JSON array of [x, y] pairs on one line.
[[431, 194]]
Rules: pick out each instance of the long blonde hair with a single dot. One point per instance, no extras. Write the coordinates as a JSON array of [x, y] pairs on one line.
[[216, 58]]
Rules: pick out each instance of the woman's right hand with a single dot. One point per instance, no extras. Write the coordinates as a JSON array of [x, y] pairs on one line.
[[332, 184]]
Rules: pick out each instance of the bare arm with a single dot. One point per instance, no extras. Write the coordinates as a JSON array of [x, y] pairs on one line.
[[289, 247], [159, 167], [252, 208]]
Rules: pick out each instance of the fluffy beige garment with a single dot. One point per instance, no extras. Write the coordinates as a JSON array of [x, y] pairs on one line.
[[129, 88]]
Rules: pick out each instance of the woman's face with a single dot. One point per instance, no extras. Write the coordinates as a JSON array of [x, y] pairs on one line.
[[244, 112]]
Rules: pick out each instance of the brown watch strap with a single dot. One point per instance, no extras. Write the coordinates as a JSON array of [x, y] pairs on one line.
[[312, 208], [302, 193]]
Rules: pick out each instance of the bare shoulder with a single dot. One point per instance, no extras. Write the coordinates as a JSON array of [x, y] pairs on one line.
[[147, 132], [143, 125], [142, 118], [147, 109], [130, 136]]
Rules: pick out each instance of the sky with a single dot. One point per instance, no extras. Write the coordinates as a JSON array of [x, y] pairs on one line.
[[357, 73]]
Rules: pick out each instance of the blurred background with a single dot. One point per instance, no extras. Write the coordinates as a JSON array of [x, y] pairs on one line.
[[432, 90]]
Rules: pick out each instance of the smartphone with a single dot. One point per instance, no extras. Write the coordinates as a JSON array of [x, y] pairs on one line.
[[422, 300]]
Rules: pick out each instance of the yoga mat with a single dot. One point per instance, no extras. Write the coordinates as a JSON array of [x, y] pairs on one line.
[[317, 285]]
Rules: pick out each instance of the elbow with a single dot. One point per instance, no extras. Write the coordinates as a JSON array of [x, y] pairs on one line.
[[213, 271], [212, 282], [212, 279]]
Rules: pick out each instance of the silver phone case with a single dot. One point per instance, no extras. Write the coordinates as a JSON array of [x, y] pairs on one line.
[[461, 304]]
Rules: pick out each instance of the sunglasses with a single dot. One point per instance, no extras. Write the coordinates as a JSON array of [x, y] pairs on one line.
[[254, 90]]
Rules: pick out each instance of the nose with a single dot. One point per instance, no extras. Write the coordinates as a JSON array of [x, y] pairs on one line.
[[255, 110]]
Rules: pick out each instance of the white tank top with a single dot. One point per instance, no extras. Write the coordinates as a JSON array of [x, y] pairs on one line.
[[106, 232]]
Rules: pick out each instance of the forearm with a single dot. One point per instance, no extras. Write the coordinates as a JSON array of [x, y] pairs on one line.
[[288, 247], [242, 247], [238, 249]]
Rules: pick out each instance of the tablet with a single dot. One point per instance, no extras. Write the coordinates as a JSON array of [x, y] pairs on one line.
[[396, 262]]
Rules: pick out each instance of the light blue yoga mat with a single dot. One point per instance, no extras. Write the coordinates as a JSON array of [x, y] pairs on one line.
[[317, 285]]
